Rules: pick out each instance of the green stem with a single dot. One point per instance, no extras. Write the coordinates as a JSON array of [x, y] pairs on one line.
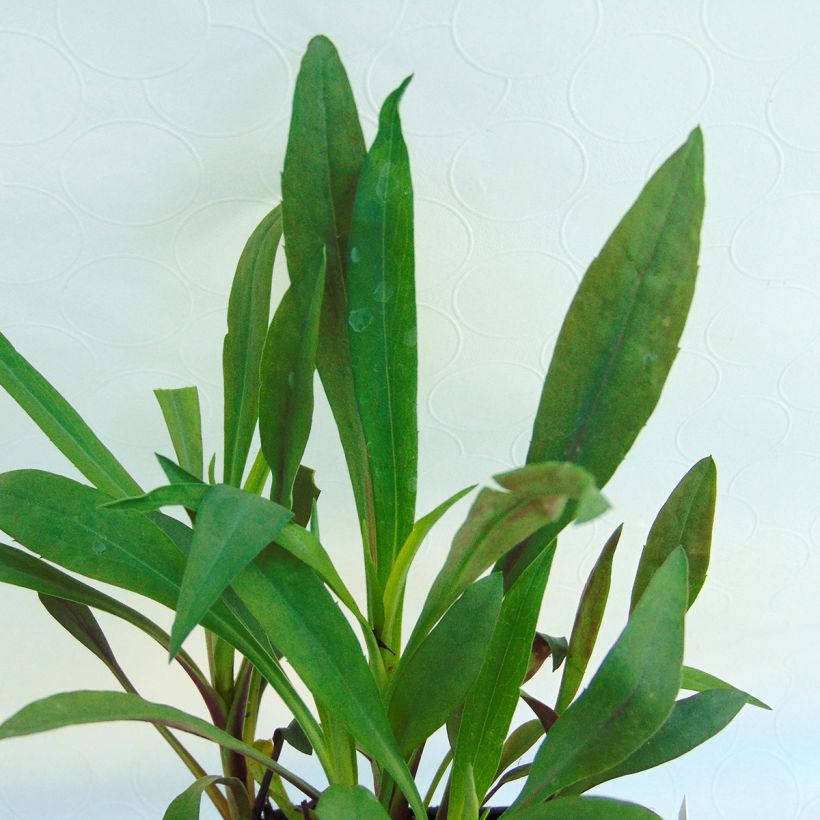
[[448, 759]]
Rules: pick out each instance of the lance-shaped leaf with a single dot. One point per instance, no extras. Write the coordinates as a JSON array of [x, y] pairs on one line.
[[491, 702], [78, 621], [382, 328], [697, 681], [429, 686], [532, 496], [685, 520], [84, 707], [519, 743], [248, 317], [394, 589], [180, 408], [232, 528], [345, 802], [588, 619], [286, 392], [174, 473], [693, 721], [621, 332], [185, 806], [62, 424], [585, 808], [628, 699], [324, 156], [277, 601]]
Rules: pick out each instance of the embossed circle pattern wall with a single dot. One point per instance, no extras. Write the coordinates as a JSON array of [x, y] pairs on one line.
[[141, 142]]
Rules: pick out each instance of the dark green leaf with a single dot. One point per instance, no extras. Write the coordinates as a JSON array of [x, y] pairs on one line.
[[685, 520], [546, 646], [248, 317], [492, 700], [347, 802], [186, 805], [628, 699], [692, 722], [305, 494], [382, 329], [587, 623], [286, 391], [296, 737], [428, 686], [62, 424], [180, 408], [80, 708], [498, 520], [620, 335], [232, 528], [697, 681], [585, 808], [82, 625], [324, 156]]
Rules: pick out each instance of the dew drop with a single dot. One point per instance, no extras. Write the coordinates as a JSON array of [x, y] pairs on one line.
[[411, 337], [360, 319], [354, 255], [383, 292], [412, 484], [99, 547], [291, 379]]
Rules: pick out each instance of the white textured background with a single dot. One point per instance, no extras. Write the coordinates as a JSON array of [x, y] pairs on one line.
[[141, 141]]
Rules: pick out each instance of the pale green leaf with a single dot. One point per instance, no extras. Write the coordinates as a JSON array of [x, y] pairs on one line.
[[180, 408]]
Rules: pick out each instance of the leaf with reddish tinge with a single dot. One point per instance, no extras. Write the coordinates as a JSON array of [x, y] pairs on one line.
[[587, 622], [685, 520]]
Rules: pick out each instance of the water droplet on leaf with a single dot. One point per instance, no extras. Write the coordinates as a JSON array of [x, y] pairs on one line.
[[360, 319], [383, 292], [354, 255], [410, 338]]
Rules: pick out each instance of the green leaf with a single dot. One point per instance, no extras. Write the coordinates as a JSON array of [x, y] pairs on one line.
[[685, 520], [324, 156], [186, 805], [305, 494], [546, 646], [286, 390], [519, 743], [697, 681], [62, 424], [296, 737], [692, 722], [78, 621], [585, 808], [628, 699], [24, 570], [588, 619], [248, 317], [183, 418], [428, 686], [620, 335], [491, 702], [382, 330], [346, 802], [531, 497], [394, 588], [232, 528], [84, 707], [174, 473], [189, 496]]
